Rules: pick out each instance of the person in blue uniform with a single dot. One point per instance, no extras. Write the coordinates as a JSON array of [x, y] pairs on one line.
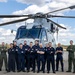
[[11, 58], [32, 57], [50, 58], [45, 55], [21, 58], [28, 59], [40, 59], [59, 57], [26, 48], [36, 48], [46, 48], [16, 54]]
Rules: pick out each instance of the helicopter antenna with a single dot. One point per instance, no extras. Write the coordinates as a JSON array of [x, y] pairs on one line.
[[25, 24], [57, 30]]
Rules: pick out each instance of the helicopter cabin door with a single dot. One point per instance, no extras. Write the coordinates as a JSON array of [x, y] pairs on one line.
[[43, 37]]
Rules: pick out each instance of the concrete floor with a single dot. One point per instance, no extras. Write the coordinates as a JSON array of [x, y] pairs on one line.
[[30, 73]]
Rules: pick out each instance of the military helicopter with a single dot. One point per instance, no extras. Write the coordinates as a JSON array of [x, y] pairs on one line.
[[42, 29]]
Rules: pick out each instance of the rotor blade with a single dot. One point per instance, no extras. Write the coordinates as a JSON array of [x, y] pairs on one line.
[[61, 16], [13, 16], [56, 24], [70, 7], [15, 21]]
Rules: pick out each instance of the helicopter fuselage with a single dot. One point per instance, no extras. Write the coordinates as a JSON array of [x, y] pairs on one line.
[[41, 30]]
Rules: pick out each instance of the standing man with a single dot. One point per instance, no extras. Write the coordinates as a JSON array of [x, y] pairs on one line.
[[11, 58], [50, 58], [46, 48], [45, 55], [28, 59], [15, 47], [21, 58], [71, 56], [3, 51], [26, 48], [59, 57], [41, 59], [36, 47], [32, 56]]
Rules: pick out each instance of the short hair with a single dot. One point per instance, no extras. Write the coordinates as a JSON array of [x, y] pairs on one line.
[[37, 40], [31, 42], [50, 42], [20, 44], [25, 41], [14, 41], [71, 40], [11, 43]]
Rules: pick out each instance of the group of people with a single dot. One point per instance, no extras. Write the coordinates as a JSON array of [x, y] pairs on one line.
[[24, 57]]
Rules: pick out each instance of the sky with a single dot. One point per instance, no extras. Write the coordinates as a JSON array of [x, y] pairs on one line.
[[20, 7]]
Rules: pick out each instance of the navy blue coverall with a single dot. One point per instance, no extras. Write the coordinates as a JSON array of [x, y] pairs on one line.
[[45, 48], [11, 59], [28, 59], [59, 57], [32, 58], [21, 59], [50, 59], [26, 48], [41, 59], [16, 55], [36, 48]]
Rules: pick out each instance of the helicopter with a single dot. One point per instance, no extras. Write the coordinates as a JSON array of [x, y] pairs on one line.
[[42, 28]]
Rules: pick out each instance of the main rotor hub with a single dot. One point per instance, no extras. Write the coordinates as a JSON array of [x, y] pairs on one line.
[[41, 15]]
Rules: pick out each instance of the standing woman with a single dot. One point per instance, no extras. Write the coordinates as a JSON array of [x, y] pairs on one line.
[[16, 53], [11, 58]]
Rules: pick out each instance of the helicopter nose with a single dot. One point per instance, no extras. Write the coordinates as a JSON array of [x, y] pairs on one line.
[[22, 41]]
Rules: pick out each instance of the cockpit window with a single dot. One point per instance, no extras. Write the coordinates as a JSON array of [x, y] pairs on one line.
[[43, 35], [28, 33]]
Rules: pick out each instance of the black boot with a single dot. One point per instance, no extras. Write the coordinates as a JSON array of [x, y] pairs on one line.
[[19, 71], [74, 72], [28, 71], [23, 71], [48, 72], [43, 71], [62, 70], [54, 72], [38, 71], [33, 71], [0, 69], [13, 70], [6, 69], [68, 71]]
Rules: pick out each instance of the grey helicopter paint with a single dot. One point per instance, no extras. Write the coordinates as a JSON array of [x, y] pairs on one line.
[[45, 35]]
